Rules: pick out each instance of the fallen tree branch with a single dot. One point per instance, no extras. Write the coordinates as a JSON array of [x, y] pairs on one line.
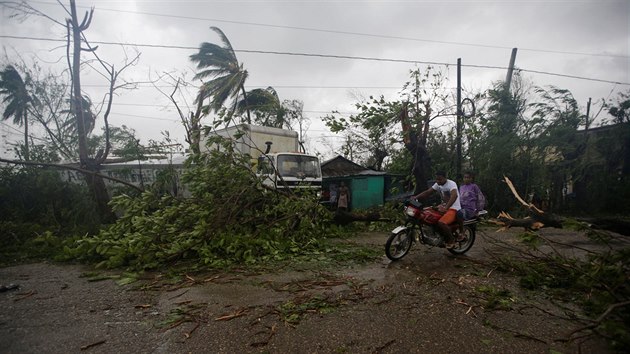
[[518, 197], [537, 220], [92, 345], [599, 319], [235, 314]]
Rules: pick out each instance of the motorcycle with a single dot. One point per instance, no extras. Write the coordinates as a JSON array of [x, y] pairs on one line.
[[421, 226]]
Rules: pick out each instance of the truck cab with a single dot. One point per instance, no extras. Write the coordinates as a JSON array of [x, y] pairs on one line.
[[292, 171]]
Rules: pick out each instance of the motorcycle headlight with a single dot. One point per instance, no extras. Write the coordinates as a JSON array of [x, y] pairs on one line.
[[410, 211]]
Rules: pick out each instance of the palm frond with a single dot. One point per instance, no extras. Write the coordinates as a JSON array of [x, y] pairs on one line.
[[211, 54], [226, 42], [220, 65]]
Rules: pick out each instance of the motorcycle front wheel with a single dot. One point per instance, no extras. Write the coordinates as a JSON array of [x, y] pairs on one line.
[[398, 244], [465, 241]]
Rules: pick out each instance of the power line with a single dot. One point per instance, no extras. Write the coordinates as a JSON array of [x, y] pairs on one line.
[[407, 61], [12, 128], [311, 29], [277, 86], [114, 113], [21, 133]]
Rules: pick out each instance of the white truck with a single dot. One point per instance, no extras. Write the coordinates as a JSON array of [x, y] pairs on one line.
[[275, 156]]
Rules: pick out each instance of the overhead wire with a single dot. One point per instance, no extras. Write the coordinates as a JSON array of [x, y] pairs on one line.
[[321, 30], [16, 132], [407, 61]]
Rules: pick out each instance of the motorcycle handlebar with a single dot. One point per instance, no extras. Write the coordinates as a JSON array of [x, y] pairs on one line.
[[413, 201]]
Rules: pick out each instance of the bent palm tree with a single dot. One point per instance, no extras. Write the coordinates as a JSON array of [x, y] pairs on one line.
[[222, 67], [89, 118], [17, 100], [265, 105]]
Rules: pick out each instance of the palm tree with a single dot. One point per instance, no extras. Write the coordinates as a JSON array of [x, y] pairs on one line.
[[227, 76], [17, 100], [265, 105], [89, 118]]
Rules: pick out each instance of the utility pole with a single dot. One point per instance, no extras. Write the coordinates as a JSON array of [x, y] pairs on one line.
[[508, 78], [459, 118], [588, 112]]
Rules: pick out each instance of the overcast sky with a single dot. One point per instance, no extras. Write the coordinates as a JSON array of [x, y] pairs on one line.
[[587, 39]]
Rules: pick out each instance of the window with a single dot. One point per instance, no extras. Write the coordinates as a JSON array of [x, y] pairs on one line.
[[299, 166]]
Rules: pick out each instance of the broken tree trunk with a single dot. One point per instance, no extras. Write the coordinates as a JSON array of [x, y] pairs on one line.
[[619, 226], [507, 221], [537, 218]]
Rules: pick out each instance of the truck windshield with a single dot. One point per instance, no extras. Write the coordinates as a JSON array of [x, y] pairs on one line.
[[299, 166]]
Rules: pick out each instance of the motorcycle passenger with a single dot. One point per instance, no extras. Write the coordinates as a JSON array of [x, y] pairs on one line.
[[449, 195], [472, 200]]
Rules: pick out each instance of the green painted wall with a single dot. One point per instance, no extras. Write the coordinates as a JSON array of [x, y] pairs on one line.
[[367, 192]]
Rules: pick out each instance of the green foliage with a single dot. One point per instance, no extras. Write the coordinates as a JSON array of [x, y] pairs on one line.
[[23, 241], [226, 76], [375, 136], [268, 110], [372, 134], [530, 238], [495, 299], [598, 283], [442, 145], [36, 209], [620, 110], [17, 100], [495, 150], [29, 194], [229, 218], [293, 311]]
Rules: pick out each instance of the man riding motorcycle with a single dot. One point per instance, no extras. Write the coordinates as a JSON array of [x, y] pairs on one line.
[[449, 195]]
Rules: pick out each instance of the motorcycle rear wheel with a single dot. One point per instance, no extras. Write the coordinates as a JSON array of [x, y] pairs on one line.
[[466, 243], [398, 244]]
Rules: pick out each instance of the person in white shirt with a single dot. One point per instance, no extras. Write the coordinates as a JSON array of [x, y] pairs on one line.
[[449, 195]]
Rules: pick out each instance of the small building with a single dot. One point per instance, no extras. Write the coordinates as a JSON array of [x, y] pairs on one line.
[[368, 188]]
